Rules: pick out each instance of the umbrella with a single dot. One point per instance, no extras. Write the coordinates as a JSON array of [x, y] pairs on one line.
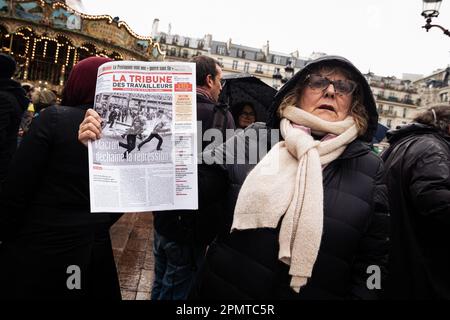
[[243, 87]]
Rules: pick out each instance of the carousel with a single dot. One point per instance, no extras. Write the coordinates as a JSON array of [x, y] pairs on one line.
[[47, 38]]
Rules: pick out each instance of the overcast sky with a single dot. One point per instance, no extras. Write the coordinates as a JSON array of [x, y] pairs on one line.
[[384, 36]]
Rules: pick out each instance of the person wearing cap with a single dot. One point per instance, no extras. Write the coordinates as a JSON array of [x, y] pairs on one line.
[[418, 179], [310, 219], [13, 103]]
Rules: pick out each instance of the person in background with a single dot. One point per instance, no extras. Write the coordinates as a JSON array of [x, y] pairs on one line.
[[418, 179], [42, 98], [244, 114], [28, 115], [47, 231], [13, 103]]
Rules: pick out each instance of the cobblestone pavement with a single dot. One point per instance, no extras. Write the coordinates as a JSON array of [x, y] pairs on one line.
[[132, 241]]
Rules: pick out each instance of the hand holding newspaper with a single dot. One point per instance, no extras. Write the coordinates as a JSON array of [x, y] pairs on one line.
[[146, 158]]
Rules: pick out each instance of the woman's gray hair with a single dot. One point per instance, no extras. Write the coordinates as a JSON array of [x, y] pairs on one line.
[[436, 117]]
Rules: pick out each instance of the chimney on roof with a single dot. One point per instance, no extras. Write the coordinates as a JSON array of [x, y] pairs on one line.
[[229, 45], [155, 28], [208, 41], [266, 49]]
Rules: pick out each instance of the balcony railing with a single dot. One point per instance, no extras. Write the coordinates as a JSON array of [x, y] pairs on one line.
[[388, 113], [395, 99], [408, 101], [392, 98]]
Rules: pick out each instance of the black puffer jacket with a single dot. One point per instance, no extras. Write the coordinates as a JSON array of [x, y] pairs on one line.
[[45, 221], [245, 265], [13, 103], [418, 179]]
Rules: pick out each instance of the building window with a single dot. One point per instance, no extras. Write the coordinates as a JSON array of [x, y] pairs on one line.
[[276, 71], [259, 68], [404, 112], [221, 50], [185, 54], [389, 123], [444, 97], [276, 59], [246, 66], [173, 51], [380, 108], [235, 65], [186, 42]]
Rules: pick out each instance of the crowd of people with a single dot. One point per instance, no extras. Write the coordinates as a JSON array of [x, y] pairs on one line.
[[318, 216]]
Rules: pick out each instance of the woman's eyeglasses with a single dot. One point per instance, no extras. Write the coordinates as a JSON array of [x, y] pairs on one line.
[[247, 114], [319, 83]]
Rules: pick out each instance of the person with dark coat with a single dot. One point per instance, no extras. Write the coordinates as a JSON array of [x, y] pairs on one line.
[[418, 179], [53, 247], [310, 220], [182, 236], [112, 117], [13, 103]]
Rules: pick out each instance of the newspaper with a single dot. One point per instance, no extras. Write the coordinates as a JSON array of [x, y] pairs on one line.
[[146, 158]]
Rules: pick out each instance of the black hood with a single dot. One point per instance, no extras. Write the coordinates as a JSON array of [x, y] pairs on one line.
[[16, 89], [411, 129], [369, 101]]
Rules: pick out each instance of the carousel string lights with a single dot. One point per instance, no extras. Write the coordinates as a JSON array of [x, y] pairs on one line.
[[50, 43]]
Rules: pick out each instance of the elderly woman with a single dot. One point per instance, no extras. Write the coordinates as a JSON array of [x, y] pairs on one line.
[[310, 220], [53, 246]]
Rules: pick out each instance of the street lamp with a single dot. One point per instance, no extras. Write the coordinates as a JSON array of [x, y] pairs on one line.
[[276, 78], [288, 72], [431, 10]]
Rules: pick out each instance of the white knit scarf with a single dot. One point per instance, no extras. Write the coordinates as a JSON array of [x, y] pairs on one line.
[[294, 192]]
